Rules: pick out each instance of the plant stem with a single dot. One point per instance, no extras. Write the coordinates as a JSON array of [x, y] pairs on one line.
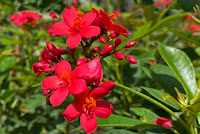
[[154, 102], [108, 6]]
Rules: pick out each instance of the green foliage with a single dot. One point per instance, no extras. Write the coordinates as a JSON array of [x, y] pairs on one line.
[[152, 94]]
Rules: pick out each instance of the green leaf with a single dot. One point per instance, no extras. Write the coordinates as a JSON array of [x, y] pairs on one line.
[[164, 22], [119, 131], [187, 36], [158, 95], [33, 102], [147, 115], [6, 63], [7, 95], [182, 67], [141, 31], [118, 121], [166, 78]]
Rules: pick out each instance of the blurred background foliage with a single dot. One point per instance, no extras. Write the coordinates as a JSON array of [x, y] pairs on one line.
[[23, 108]]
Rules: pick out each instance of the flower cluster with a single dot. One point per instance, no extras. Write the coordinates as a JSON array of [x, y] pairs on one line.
[[191, 26], [25, 17], [163, 3], [82, 78]]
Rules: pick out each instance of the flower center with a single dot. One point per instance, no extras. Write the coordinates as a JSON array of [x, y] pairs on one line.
[[65, 78], [76, 25], [90, 102], [113, 17]]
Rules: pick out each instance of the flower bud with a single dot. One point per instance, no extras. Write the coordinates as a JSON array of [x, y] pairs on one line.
[[62, 51], [164, 122], [131, 59], [75, 3], [81, 61], [102, 39], [107, 49], [95, 49], [108, 85], [52, 48], [118, 41], [46, 92], [112, 35], [119, 56], [130, 44], [53, 15]]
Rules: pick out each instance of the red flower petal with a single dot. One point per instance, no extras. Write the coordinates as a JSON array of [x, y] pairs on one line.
[[90, 31], [88, 18], [69, 16], [105, 19], [99, 93], [81, 97], [117, 28], [80, 71], [51, 83], [73, 40], [88, 122], [59, 96], [103, 109], [62, 66], [72, 111], [61, 28], [77, 86]]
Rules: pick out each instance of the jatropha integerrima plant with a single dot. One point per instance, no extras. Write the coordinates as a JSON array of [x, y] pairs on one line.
[[84, 81]]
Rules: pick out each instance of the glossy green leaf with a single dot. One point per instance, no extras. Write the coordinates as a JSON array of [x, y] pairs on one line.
[[182, 67], [7, 63], [187, 36], [118, 121], [119, 131], [146, 114], [158, 95], [166, 78]]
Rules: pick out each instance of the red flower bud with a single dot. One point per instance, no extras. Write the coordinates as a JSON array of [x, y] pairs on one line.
[[81, 61], [15, 52], [107, 49], [131, 59], [130, 44], [118, 41], [163, 122], [112, 35], [62, 51], [75, 3], [95, 49], [46, 92], [119, 56], [52, 48], [102, 39], [108, 85], [53, 15]]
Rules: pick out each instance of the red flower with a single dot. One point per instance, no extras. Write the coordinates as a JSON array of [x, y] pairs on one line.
[[53, 15], [28, 17], [194, 27], [88, 106], [163, 122], [93, 73], [76, 24], [18, 19], [62, 83], [106, 23], [163, 3]]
